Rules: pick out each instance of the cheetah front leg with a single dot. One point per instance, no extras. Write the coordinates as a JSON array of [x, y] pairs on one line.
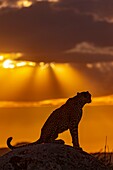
[[74, 135]]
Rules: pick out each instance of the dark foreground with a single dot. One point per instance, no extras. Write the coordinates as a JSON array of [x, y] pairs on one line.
[[49, 157]]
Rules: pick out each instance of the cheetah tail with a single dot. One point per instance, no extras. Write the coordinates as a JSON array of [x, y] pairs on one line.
[[39, 141], [9, 143]]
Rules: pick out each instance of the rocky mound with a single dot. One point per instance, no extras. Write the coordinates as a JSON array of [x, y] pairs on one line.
[[49, 157]]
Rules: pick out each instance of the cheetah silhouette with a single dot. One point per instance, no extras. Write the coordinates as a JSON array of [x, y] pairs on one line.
[[65, 117]]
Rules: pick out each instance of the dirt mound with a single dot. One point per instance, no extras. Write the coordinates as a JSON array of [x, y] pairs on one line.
[[49, 157]]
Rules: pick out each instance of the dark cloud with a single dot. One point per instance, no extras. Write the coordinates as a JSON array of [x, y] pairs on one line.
[[44, 31], [99, 9]]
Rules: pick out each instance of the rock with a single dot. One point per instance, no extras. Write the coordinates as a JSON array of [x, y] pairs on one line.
[[49, 157]]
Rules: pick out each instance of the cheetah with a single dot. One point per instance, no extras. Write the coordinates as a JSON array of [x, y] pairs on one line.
[[63, 118]]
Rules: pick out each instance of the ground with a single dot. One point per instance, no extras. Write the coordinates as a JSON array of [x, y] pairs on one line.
[[49, 157]]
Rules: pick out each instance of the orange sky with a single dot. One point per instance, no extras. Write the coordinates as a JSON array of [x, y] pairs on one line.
[[24, 124], [30, 93]]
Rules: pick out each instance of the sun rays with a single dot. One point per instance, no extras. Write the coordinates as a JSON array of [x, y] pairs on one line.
[[29, 80], [33, 89]]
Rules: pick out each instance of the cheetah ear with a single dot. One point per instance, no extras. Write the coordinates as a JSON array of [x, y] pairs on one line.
[[87, 92]]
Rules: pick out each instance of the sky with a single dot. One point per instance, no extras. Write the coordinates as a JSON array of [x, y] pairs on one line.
[[49, 51]]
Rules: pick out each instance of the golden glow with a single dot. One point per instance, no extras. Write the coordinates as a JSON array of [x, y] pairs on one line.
[[63, 77], [68, 77], [43, 74], [20, 64], [13, 64], [9, 61], [17, 79], [25, 63], [52, 65], [8, 64], [1, 57], [50, 78], [24, 3], [10, 55], [43, 65], [19, 82], [29, 63]]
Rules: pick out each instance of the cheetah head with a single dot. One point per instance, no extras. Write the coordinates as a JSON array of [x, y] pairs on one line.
[[85, 96]]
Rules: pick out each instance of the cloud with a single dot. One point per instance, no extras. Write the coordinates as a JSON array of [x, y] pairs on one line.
[[101, 10], [20, 3], [16, 3], [52, 102], [44, 30], [104, 100], [102, 66], [89, 48], [13, 60], [96, 101]]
